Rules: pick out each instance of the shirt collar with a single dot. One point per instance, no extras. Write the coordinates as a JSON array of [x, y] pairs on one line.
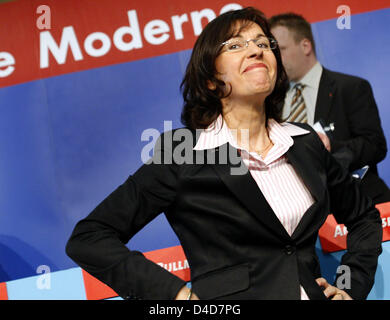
[[218, 133], [312, 78]]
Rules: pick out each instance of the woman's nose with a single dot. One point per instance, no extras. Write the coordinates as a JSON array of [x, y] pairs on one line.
[[253, 50]]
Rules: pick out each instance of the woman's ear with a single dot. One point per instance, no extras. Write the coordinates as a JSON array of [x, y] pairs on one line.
[[211, 85]]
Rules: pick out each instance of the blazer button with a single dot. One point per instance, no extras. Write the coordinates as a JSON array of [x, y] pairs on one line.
[[288, 249]]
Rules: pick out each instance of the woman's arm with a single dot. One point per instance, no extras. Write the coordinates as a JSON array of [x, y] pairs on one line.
[[97, 243], [362, 219]]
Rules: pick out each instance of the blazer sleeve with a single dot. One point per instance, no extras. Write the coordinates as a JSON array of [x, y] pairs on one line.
[[357, 212], [97, 243], [367, 143]]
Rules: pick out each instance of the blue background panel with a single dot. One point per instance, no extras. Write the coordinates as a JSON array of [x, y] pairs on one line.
[[68, 141], [63, 285]]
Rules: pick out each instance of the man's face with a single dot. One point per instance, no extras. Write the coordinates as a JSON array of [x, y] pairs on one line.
[[291, 51]]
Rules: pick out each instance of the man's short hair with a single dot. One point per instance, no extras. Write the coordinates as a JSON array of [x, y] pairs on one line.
[[300, 28]]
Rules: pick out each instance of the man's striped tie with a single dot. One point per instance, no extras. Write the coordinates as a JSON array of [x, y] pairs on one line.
[[298, 111]]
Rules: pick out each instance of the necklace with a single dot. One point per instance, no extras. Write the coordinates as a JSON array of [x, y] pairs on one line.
[[260, 152]]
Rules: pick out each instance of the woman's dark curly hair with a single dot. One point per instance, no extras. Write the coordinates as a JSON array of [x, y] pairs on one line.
[[202, 105]]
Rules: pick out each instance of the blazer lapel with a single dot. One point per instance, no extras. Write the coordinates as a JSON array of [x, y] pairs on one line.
[[312, 181], [304, 169], [326, 92], [245, 188]]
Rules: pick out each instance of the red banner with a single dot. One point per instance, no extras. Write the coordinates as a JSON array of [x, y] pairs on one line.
[[3, 291], [171, 259], [95, 289], [39, 41], [333, 236]]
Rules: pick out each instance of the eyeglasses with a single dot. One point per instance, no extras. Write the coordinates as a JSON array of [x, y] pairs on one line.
[[236, 45]]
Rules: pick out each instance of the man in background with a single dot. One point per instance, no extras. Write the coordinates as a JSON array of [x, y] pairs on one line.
[[344, 105]]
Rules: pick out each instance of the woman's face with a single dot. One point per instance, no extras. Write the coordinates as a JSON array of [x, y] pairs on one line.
[[250, 72]]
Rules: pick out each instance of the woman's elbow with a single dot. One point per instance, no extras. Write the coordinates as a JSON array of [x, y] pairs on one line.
[[72, 249]]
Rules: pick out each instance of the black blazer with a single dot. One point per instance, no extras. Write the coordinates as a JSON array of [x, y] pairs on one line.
[[358, 139], [235, 245]]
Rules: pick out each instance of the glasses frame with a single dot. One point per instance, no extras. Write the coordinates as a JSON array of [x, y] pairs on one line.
[[272, 42]]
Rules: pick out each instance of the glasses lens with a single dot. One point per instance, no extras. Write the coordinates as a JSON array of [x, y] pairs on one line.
[[235, 45], [263, 43]]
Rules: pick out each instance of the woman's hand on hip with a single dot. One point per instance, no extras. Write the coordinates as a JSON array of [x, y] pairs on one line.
[[184, 293], [333, 292]]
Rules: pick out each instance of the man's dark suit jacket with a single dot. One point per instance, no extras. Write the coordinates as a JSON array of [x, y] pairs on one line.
[[235, 245], [358, 139]]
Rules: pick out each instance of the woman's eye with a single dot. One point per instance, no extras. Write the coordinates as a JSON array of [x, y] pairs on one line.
[[263, 45], [235, 46]]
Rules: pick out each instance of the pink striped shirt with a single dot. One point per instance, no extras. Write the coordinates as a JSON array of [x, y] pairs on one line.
[[281, 186]]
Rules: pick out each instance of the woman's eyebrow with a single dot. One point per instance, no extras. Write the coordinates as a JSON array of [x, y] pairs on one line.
[[239, 35]]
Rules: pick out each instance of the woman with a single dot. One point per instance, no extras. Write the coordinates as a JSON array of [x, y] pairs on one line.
[[249, 235]]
